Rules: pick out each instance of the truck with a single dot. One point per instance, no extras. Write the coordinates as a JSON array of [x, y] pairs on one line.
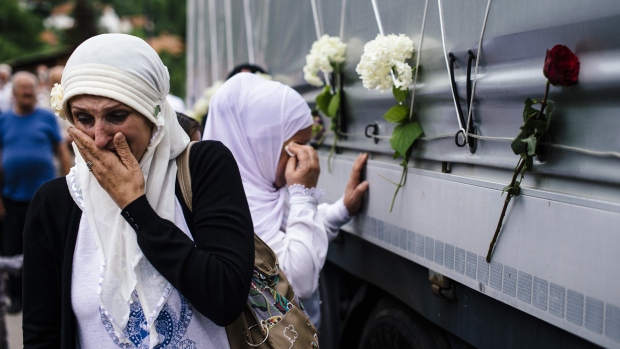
[[417, 276]]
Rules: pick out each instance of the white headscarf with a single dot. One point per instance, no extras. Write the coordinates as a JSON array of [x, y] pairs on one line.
[[253, 117], [125, 68]]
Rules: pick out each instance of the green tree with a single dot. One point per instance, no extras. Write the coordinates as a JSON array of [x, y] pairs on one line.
[[20, 27], [19, 30], [176, 67], [85, 23], [168, 16]]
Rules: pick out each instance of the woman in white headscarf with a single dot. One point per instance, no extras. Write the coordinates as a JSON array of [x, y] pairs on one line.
[[266, 125], [113, 257]]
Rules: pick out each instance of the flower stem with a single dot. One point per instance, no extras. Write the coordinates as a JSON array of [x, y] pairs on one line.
[[332, 151], [409, 106], [518, 169], [336, 119], [401, 183], [509, 196], [543, 104]]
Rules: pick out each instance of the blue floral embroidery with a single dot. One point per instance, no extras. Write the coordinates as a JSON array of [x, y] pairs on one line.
[[169, 328]]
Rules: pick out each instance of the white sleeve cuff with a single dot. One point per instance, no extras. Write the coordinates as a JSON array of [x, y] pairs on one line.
[[300, 189], [342, 211], [334, 216]]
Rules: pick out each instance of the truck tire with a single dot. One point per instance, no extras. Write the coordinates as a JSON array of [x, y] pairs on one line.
[[392, 325]]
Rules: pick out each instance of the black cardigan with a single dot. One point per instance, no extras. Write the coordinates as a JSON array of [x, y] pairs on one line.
[[223, 251]]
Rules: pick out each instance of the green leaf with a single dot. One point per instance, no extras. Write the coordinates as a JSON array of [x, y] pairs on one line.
[[334, 105], [399, 94], [535, 126], [396, 114], [323, 99], [506, 189], [548, 111], [512, 191], [531, 145], [528, 111], [517, 145], [396, 155], [419, 69], [404, 135], [529, 162], [333, 124], [336, 68]]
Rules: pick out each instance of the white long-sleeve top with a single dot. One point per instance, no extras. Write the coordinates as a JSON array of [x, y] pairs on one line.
[[302, 242], [333, 216]]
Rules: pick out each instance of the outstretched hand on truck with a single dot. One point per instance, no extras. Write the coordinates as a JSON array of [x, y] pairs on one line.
[[356, 188]]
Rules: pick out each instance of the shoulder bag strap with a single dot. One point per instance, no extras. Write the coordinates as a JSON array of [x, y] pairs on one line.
[[264, 259], [235, 331], [184, 175]]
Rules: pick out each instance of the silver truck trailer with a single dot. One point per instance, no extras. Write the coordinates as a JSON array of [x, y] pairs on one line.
[[417, 276]]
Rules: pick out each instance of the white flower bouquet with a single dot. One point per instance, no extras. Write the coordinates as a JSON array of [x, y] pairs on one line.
[[327, 55], [384, 65], [201, 106]]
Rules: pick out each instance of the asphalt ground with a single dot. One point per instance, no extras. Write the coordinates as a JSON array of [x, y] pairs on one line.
[[14, 330]]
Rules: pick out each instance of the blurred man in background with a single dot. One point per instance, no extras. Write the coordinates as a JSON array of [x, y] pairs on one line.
[[29, 140], [43, 87]]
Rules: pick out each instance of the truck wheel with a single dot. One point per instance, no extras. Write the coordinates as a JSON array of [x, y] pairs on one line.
[[391, 325]]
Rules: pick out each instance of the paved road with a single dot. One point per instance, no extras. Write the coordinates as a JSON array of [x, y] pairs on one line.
[[14, 329]]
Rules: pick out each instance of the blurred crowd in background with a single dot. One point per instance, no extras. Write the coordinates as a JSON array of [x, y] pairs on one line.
[[36, 39]]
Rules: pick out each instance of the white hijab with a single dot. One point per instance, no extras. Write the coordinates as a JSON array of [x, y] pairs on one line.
[[253, 117], [125, 68]]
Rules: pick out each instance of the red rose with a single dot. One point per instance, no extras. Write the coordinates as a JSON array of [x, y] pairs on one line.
[[561, 66]]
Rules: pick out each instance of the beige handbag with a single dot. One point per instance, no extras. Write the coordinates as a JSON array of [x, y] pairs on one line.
[[273, 316]]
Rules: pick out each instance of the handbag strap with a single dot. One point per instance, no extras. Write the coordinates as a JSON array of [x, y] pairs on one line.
[[184, 175], [264, 259]]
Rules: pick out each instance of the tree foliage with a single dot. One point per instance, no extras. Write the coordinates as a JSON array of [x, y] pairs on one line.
[[169, 16], [21, 26], [84, 28], [16, 24]]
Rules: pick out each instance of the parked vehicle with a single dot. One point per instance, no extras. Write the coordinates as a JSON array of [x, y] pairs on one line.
[[417, 276]]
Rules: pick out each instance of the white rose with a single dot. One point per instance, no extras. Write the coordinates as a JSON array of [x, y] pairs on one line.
[[264, 76], [383, 65], [325, 52], [310, 75], [57, 95], [200, 108], [210, 91], [311, 69]]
